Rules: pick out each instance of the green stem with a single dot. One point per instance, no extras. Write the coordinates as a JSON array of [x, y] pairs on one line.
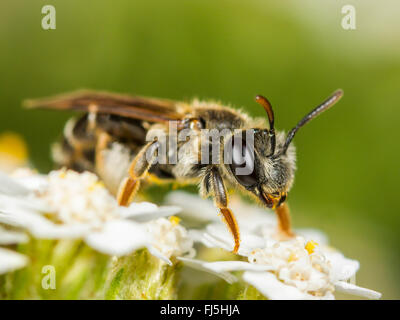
[[77, 271], [142, 276], [250, 293]]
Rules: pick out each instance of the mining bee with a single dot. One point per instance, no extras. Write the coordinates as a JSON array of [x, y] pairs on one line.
[[111, 139]]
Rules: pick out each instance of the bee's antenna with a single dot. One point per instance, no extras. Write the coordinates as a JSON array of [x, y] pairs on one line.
[[268, 108], [314, 113]]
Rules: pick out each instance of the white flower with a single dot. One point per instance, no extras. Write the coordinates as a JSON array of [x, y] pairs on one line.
[[10, 260], [301, 268], [67, 204], [170, 238]]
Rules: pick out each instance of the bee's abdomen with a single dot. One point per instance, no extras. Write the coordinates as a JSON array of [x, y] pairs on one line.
[[77, 150]]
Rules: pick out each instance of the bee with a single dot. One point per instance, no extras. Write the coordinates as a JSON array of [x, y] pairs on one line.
[[111, 139]]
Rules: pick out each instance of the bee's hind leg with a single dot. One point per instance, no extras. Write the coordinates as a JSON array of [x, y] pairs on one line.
[[221, 201], [137, 171]]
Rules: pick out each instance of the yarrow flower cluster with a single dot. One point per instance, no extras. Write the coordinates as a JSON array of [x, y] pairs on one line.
[[170, 238], [66, 205], [298, 263], [301, 268], [77, 198]]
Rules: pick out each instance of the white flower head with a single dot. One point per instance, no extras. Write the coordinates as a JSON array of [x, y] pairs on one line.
[[304, 267], [76, 198], [170, 238], [67, 204], [299, 264]]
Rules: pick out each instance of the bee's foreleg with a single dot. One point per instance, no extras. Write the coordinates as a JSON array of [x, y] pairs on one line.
[[137, 171], [221, 201], [284, 221]]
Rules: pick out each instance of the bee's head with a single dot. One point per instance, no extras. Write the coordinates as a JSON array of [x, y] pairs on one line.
[[254, 168], [263, 162]]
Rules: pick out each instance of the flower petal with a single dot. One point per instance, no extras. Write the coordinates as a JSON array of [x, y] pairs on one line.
[[208, 240], [219, 235], [30, 179], [314, 235], [202, 266], [224, 266], [157, 253], [11, 237], [42, 228], [10, 203], [119, 237], [9, 186], [10, 260], [342, 268], [271, 287], [248, 216], [349, 288], [193, 206], [146, 211]]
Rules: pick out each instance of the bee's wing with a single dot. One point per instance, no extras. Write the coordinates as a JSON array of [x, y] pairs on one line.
[[135, 107]]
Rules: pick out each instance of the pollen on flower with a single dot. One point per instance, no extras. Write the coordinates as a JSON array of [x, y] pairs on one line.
[[97, 184], [62, 174], [310, 246], [292, 257], [174, 220]]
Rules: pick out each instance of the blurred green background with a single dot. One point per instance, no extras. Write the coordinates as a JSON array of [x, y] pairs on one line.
[[294, 52]]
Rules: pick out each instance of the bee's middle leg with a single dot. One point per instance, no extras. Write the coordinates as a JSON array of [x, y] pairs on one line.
[[137, 171], [221, 201]]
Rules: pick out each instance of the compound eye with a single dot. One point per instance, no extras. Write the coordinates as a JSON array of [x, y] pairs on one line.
[[243, 162]]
